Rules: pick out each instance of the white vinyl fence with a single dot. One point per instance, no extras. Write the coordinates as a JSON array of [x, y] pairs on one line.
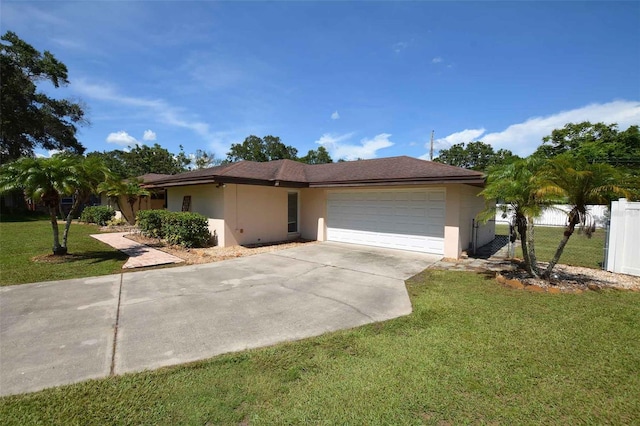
[[555, 215], [623, 247]]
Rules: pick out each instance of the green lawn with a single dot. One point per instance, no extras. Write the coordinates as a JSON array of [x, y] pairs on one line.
[[22, 240], [580, 250], [472, 352]]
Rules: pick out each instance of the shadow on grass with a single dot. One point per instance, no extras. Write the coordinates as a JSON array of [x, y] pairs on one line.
[[25, 217], [93, 257]]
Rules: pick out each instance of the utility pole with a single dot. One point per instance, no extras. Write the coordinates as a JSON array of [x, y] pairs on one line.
[[431, 152]]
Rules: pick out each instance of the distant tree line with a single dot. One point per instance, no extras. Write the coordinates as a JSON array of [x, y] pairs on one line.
[[271, 148], [596, 143], [474, 155]]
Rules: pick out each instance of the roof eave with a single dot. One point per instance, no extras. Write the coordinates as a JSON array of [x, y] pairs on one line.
[[476, 181], [227, 179]]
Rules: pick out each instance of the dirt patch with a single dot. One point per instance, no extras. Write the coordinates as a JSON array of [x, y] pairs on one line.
[[567, 278], [194, 256]]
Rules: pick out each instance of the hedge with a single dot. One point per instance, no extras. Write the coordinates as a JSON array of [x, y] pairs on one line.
[[180, 228], [97, 214], [150, 222]]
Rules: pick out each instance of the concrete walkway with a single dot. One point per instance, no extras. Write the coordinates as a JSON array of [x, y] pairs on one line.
[[491, 257], [140, 255], [62, 332]]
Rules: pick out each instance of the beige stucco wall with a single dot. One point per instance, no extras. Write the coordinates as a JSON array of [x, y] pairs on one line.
[[208, 200], [313, 211], [452, 243], [248, 214], [466, 217], [462, 206], [238, 214], [255, 214], [471, 206]]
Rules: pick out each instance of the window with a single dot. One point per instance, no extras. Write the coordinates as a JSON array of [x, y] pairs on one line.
[[292, 212]]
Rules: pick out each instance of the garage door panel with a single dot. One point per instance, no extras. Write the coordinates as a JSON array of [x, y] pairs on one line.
[[436, 196], [409, 220]]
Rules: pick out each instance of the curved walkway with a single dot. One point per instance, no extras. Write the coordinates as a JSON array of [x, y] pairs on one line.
[[140, 255]]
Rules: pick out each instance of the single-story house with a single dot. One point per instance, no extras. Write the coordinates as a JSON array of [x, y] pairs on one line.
[[398, 202]]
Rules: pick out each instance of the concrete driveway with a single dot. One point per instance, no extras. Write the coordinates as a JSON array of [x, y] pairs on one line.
[[67, 331]]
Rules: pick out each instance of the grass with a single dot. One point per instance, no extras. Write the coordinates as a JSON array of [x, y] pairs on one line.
[[23, 239], [580, 250], [471, 352]]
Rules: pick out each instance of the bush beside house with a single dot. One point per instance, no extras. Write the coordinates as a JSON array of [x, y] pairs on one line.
[[97, 214], [179, 228]]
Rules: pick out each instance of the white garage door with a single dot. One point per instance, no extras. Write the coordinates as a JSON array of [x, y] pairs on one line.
[[408, 220]]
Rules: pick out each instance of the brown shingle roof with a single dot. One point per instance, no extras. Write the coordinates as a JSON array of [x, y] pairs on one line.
[[152, 177], [382, 171]]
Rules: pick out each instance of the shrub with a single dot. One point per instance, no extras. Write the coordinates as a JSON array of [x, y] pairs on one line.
[[150, 222], [97, 214], [180, 228], [118, 222], [187, 229]]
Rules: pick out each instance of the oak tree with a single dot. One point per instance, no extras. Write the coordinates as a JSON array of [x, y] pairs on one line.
[[30, 119]]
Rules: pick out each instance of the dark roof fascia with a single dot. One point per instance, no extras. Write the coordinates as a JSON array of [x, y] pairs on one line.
[[290, 184], [226, 179], [476, 181], [179, 183]]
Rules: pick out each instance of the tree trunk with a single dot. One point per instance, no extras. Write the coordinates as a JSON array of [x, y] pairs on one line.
[[574, 219], [74, 210], [58, 250], [532, 248], [133, 214], [117, 201], [530, 262]]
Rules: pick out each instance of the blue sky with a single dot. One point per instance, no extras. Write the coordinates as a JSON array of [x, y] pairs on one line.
[[364, 79]]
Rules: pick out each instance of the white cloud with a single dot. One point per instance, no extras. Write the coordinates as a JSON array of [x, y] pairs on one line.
[[366, 149], [161, 110], [149, 135], [47, 154], [523, 138], [436, 60], [335, 115], [121, 138], [400, 46], [463, 136]]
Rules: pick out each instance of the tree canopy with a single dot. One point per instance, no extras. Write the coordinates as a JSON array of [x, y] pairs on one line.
[[597, 143], [130, 189], [475, 156], [142, 159], [264, 149], [203, 159], [317, 156], [30, 118]]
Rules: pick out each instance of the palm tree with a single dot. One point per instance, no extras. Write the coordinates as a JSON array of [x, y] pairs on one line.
[[578, 183], [46, 180], [90, 172], [128, 189], [517, 184]]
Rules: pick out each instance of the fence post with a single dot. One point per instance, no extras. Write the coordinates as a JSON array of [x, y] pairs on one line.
[[612, 240]]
